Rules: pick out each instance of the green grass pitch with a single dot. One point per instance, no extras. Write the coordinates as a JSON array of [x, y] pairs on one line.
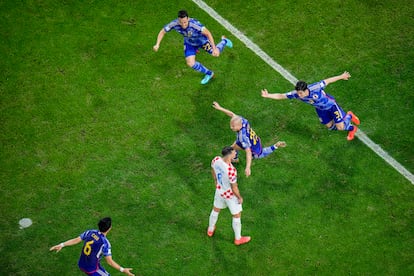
[[94, 123]]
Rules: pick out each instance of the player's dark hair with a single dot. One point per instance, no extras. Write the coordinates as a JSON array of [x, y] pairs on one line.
[[226, 151], [301, 86], [182, 14], [104, 224]]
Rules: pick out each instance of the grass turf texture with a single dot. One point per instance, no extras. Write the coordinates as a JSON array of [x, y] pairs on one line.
[[94, 123]]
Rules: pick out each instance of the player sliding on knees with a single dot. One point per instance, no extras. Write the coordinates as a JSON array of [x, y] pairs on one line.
[[196, 36], [329, 112], [247, 139]]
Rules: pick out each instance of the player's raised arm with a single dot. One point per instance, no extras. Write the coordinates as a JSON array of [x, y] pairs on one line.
[[59, 247], [274, 96], [159, 39], [344, 76], [222, 109]]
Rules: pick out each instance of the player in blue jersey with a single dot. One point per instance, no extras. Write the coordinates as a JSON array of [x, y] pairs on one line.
[[329, 112], [247, 139], [95, 245], [196, 36]]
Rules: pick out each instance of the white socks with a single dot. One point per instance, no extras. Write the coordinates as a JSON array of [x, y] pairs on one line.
[[237, 228], [213, 220]]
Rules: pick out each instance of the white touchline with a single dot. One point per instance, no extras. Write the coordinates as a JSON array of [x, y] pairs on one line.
[[288, 76]]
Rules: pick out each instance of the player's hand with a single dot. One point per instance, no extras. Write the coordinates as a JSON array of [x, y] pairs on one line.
[[156, 47], [128, 272], [216, 105], [265, 93], [240, 199], [247, 172], [216, 52], [346, 75], [56, 248], [281, 144]]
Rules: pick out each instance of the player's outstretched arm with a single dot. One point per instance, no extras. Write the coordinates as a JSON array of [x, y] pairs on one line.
[[274, 96], [210, 38], [222, 109], [159, 39], [344, 76], [59, 247], [112, 263]]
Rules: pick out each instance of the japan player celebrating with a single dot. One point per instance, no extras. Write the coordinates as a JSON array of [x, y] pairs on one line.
[[227, 194], [247, 139], [95, 245], [329, 112], [196, 36]]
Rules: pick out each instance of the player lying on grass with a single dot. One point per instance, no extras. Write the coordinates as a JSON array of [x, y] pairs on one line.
[[329, 112], [95, 246], [227, 194], [196, 36], [247, 139]]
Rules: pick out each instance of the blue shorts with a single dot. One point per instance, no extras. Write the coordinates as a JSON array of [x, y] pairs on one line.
[[191, 50], [335, 113], [256, 151]]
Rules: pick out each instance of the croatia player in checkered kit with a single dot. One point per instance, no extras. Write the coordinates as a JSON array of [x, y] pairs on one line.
[[196, 36], [227, 194], [247, 139], [95, 246], [329, 112]]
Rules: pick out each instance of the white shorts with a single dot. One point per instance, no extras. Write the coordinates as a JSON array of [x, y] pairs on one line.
[[232, 203]]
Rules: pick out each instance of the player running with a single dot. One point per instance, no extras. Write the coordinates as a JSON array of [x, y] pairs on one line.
[[247, 139], [95, 245], [329, 112], [196, 36], [227, 194]]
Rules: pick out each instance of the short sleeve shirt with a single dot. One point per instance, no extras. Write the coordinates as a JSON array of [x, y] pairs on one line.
[[95, 246], [317, 96], [226, 174], [192, 34]]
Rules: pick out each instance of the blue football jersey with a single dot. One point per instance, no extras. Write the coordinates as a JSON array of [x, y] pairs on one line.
[[192, 34], [317, 96], [247, 138], [95, 246]]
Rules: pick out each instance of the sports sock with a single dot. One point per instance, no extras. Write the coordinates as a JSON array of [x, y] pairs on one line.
[[200, 68], [213, 220], [333, 127], [347, 122], [237, 228], [221, 45], [266, 151]]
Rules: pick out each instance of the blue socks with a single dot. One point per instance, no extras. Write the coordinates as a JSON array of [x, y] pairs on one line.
[[266, 152], [221, 45], [200, 68], [347, 123]]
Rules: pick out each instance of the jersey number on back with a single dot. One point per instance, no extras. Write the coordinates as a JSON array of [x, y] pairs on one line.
[[87, 249], [253, 136]]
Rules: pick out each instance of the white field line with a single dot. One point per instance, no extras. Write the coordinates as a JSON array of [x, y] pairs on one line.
[[292, 79]]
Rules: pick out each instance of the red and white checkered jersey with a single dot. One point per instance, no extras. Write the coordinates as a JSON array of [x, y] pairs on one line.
[[226, 174]]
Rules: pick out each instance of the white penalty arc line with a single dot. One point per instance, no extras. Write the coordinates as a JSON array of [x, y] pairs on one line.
[[292, 79]]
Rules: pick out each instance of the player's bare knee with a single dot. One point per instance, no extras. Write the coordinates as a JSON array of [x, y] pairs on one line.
[[340, 126], [190, 63]]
